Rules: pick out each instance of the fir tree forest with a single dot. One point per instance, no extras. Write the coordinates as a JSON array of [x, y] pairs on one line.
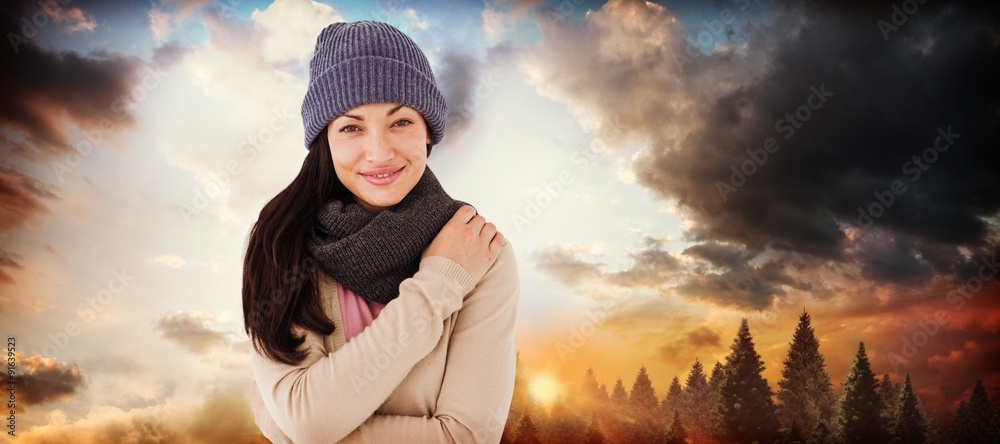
[[733, 403]]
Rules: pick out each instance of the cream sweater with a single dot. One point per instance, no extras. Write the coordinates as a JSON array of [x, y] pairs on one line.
[[436, 365]]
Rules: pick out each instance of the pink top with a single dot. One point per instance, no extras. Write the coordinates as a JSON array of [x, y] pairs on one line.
[[356, 312]]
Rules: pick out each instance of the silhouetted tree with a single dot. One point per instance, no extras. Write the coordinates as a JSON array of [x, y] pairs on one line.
[[746, 410], [713, 417], [804, 391], [936, 433], [522, 403], [858, 420], [527, 434], [564, 426], [697, 400], [673, 398], [643, 396], [821, 434], [605, 397], [593, 434], [618, 395], [908, 426], [589, 387], [790, 434], [716, 377], [676, 434], [976, 421], [888, 392]]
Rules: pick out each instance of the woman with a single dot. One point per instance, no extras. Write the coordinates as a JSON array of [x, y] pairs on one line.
[[379, 308]]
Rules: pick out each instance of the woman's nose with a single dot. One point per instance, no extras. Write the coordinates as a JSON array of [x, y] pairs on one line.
[[379, 148]]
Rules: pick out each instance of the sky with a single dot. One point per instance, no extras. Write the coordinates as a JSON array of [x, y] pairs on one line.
[[662, 171]]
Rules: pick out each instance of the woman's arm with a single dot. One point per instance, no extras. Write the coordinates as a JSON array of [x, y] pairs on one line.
[[326, 396], [479, 374]]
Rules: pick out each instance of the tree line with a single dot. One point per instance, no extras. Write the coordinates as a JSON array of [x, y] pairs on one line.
[[735, 404]]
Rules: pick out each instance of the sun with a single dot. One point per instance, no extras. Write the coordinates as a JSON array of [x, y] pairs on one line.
[[545, 388]]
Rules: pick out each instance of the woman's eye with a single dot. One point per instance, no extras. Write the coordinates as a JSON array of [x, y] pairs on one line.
[[350, 129], [402, 122]]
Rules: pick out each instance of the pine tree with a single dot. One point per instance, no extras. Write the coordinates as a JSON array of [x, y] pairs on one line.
[[697, 399], [643, 396], [718, 372], [888, 392], [909, 425], [564, 426], [522, 403], [593, 434], [676, 434], [820, 434], [618, 395], [746, 408], [936, 433], [591, 391], [528, 434], [860, 406], [605, 397], [714, 417], [805, 391], [672, 401], [976, 421]]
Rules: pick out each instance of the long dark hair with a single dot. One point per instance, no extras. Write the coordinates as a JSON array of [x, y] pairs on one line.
[[279, 273], [279, 286]]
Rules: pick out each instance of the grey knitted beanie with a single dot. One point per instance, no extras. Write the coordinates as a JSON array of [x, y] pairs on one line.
[[356, 63]]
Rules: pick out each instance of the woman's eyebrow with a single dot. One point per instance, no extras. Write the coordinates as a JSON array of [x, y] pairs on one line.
[[391, 112]]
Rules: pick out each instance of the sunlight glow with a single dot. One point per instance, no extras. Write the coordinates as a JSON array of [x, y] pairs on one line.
[[545, 389]]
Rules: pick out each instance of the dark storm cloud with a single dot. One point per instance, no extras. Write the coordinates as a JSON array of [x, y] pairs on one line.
[[47, 90], [42, 380], [23, 200], [651, 266], [458, 78], [464, 84], [703, 336], [890, 101], [854, 120]]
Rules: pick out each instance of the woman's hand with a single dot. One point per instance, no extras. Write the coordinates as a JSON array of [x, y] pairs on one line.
[[468, 240]]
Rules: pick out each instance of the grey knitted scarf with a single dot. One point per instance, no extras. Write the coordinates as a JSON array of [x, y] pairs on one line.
[[372, 253]]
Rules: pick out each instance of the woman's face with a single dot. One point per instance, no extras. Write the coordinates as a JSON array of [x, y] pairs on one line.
[[374, 140]]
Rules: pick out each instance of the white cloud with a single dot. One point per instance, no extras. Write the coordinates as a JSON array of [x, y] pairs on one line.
[[159, 22], [291, 27], [75, 18], [416, 21], [493, 23], [169, 260]]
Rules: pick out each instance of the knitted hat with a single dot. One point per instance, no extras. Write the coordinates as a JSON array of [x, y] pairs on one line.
[[364, 62]]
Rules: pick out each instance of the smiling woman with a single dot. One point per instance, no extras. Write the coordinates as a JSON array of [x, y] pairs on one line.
[[390, 317]]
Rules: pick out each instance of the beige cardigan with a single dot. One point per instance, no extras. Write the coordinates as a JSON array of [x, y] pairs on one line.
[[436, 365]]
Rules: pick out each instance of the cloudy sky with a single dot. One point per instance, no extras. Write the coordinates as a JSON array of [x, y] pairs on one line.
[[661, 169]]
